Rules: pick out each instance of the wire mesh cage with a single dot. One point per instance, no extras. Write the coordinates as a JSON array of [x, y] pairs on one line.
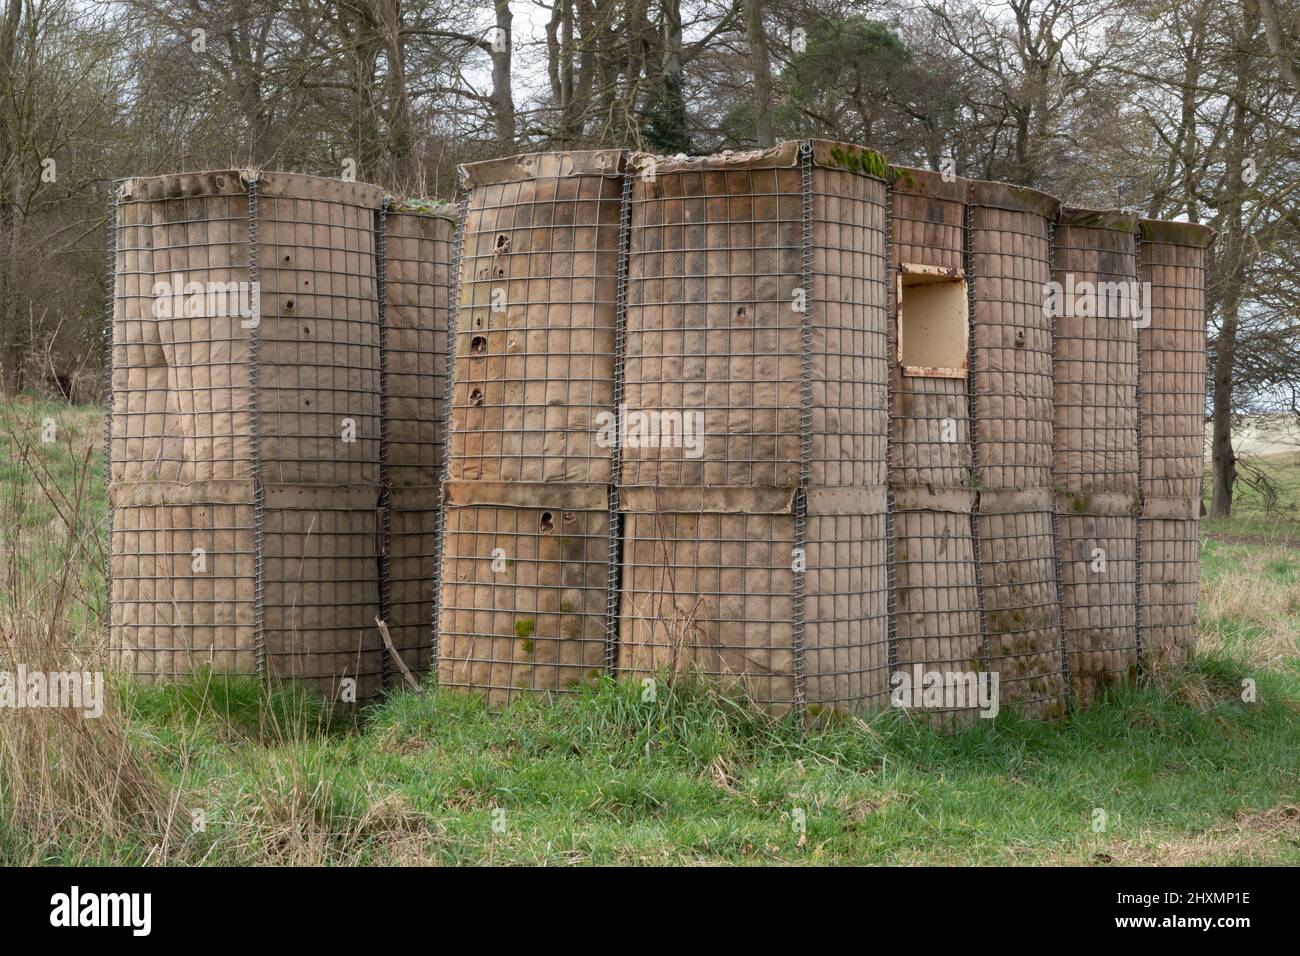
[[1096, 469], [524, 588], [1172, 379], [792, 418], [1009, 266], [244, 440], [417, 296], [753, 545], [937, 594], [537, 303], [526, 561]]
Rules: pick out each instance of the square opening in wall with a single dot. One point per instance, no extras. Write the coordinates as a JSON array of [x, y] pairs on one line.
[[933, 330]]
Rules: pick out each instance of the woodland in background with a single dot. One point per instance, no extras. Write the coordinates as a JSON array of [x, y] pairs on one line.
[[1186, 109]]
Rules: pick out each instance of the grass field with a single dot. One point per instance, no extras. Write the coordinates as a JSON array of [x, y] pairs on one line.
[[220, 770]]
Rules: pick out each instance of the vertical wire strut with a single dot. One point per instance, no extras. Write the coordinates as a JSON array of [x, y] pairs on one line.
[[440, 525], [1138, 648], [972, 406], [385, 522], [1058, 557], [616, 451], [255, 432], [891, 333], [799, 598], [110, 303]]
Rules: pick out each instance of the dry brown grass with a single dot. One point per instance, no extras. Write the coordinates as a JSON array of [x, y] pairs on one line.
[[1245, 592], [64, 774], [1261, 838]]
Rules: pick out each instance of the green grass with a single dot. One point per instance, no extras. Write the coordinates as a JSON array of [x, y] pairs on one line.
[[1251, 516], [607, 778], [1184, 769]]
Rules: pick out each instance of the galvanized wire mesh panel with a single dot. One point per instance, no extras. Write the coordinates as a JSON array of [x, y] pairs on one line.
[[1098, 599], [713, 317], [1170, 585], [538, 297], [846, 644], [417, 293], [413, 572], [757, 301], [1096, 356], [322, 593], [850, 361], [167, 617], [715, 309], [180, 369], [1096, 471], [710, 589], [1172, 378], [524, 593], [937, 600], [1018, 557], [319, 348], [417, 287], [1013, 388]]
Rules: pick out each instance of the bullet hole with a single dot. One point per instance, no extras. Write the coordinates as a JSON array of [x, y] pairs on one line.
[[478, 321], [306, 330], [502, 244], [307, 402], [741, 314], [1020, 338], [478, 345], [569, 517], [286, 257], [547, 524], [500, 272], [220, 181], [475, 396], [288, 303]]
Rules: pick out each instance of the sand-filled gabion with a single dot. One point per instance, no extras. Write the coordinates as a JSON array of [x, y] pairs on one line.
[[1096, 471], [525, 586], [526, 567], [1172, 381], [535, 335], [417, 297], [756, 300], [938, 622], [1011, 377], [245, 437]]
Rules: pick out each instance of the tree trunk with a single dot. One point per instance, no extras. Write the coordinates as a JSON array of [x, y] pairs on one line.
[[503, 100], [761, 64], [1224, 458]]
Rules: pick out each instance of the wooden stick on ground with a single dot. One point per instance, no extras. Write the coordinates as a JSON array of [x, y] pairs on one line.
[[401, 665]]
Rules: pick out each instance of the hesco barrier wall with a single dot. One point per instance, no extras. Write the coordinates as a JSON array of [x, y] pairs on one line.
[[417, 300], [526, 572], [1009, 260], [817, 427], [1172, 385], [937, 597], [1096, 470], [756, 306], [246, 452]]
